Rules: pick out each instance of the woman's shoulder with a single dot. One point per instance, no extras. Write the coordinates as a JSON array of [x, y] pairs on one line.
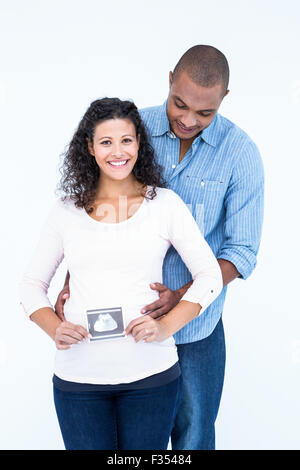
[[61, 206], [61, 203], [168, 196]]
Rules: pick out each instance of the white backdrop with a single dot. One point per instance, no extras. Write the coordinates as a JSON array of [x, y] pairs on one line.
[[59, 55]]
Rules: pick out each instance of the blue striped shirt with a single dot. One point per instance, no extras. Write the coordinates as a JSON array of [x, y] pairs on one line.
[[221, 179]]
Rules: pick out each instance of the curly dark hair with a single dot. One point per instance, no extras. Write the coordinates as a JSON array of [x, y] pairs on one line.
[[79, 169]]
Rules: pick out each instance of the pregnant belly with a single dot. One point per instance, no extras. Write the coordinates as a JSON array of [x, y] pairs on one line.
[[115, 360]]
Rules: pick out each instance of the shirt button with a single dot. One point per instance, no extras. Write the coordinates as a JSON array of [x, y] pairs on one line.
[[173, 166], [202, 183]]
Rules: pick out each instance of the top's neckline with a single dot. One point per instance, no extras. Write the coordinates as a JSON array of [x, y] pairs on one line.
[[117, 224]]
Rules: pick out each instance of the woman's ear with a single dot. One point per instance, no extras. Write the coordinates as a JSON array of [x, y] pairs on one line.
[[90, 147]]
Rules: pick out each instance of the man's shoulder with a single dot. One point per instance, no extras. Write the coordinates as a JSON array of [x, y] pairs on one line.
[[238, 145], [231, 131], [151, 110], [151, 114]]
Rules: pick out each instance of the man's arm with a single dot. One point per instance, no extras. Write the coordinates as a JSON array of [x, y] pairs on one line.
[[62, 297], [66, 284], [229, 271], [244, 217], [244, 205]]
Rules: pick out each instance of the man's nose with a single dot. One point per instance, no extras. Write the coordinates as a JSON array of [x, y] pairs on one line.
[[189, 120]]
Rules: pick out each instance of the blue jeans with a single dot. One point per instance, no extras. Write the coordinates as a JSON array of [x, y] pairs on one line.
[[202, 367], [118, 420]]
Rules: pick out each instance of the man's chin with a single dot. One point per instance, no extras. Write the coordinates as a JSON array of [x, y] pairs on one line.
[[183, 136]]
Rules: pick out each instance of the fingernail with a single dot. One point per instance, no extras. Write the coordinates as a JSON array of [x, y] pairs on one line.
[[143, 311]]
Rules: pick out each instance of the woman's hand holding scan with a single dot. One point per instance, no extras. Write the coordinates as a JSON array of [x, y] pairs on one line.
[[67, 334], [146, 328]]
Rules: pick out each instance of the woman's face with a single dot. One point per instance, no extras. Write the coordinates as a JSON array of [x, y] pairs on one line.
[[115, 147]]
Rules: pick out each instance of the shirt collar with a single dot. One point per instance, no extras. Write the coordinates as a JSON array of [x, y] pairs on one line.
[[162, 126], [210, 134]]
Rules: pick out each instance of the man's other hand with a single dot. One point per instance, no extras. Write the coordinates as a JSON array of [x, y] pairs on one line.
[[60, 302]]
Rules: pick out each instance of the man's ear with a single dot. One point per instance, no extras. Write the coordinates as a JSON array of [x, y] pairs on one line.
[[227, 91], [90, 147], [170, 79]]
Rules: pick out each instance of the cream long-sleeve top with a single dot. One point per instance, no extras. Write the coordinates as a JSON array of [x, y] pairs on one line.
[[112, 265]]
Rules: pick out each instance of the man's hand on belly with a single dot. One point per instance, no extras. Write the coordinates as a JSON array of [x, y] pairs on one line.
[[167, 300]]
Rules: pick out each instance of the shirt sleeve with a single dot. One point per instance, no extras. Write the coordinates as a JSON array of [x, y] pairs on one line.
[[46, 257], [184, 234], [244, 205]]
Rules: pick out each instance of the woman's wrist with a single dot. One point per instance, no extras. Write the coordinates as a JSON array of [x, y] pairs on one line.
[[179, 316], [46, 319]]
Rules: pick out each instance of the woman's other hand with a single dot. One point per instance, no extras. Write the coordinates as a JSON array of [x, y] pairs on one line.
[[67, 334], [146, 328]]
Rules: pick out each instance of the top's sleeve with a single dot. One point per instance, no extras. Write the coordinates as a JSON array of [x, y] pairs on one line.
[[244, 205], [184, 234], [46, 258]]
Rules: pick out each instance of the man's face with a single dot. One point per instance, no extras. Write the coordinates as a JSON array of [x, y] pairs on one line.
[[191, 107]]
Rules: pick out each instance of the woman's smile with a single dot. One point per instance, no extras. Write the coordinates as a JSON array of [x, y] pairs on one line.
[[118, 163]]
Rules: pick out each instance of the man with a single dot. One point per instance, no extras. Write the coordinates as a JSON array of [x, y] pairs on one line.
[[217, 170]]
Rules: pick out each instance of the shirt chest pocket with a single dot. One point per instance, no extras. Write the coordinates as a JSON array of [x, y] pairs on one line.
[[202, 188], [212, 185]]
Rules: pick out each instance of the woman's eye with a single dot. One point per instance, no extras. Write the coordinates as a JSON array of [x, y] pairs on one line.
[[127, 141], [105, 142]]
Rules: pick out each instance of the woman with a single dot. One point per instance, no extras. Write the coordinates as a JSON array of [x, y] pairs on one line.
[[116, 389]]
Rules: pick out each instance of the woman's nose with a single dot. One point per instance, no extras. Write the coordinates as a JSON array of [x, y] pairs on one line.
[[117, 151]]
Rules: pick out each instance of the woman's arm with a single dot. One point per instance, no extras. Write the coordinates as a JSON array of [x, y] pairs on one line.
[[42, 265], [158, 330], [64, 334], [34, 285]]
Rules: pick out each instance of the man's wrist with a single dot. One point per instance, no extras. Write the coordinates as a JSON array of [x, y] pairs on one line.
[[182, 290], [67, 280]]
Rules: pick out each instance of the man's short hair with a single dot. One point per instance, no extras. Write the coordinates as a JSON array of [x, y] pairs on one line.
[[205, 65]]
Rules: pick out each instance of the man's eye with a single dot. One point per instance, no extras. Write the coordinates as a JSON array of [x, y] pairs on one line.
[[180, 106]]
